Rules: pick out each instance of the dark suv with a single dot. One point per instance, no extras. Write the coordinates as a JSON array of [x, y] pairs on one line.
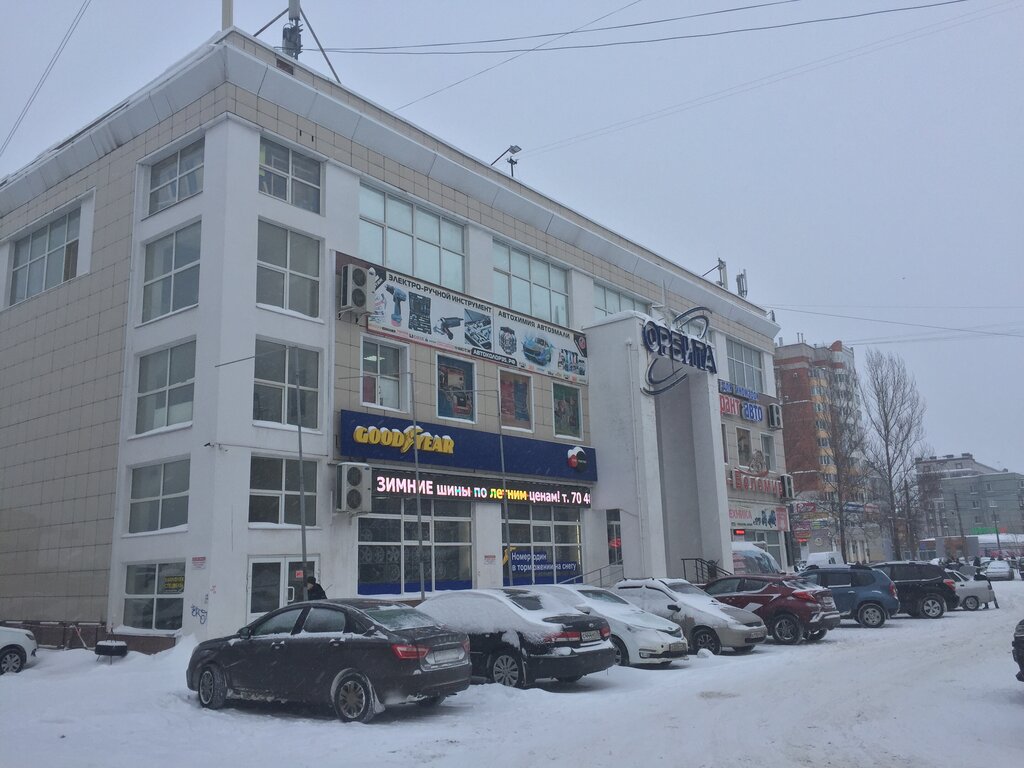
[[792, 610], [864, 594], [923, 588]]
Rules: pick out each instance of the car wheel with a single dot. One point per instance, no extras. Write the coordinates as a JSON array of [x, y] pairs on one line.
[[813, 637], [573, 679], [743, 649], [970, 603], [932, 607], [787, 630], [431, 701], [12, 660], [706, 638], [353, 701], [213, 690], [871, 615], [621, 654], [507, 669]]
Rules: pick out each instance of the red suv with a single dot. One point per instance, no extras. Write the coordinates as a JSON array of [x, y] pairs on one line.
[[792, 610]]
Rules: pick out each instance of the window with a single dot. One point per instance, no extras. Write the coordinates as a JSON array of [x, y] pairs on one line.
[[152, 595], [383, 369], [823, 442], [820, 408], [324, 620], [455, 384], [288, 270], [166, 388], [614, 523], [389, 546], [745, 366], [289, 176], [516, 400], [725, 445], [159, 497], [274, 491], [820, 424], [171, 273], [567, 404], [608, 302], [410, 239], [768, 451], [280, 624], [545, 544], [176, 177], [530, 285], [286, 377], [973, 488], [45, 258], [744, 451], [825, 461]]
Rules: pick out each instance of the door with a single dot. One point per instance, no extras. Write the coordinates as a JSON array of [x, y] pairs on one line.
[[843, 591], [324, 649], [725, 590], [274, 583], [753, 595], [267, 662]]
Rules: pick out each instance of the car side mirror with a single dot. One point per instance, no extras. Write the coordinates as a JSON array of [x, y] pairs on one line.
[[245, 633], [583, 609], [673, 607]]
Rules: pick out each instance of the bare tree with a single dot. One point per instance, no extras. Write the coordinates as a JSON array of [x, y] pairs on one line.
[[844, 431], [895, 426]]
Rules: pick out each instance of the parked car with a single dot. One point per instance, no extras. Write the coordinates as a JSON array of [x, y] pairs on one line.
[[358, 655], [973, 592], [792, 610], [639, 637], [1018, 649], [923, 588], [17, 649], [824, 559], [518, 636], [866, 595], [706, 622], [999, 569]]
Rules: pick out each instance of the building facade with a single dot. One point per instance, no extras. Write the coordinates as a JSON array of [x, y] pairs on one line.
[[980, 504], [929, 472], [186, 381]]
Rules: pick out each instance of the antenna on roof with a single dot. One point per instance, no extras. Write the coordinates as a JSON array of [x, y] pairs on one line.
[[291, 35]]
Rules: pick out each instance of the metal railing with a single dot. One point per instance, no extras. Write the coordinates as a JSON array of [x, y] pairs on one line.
[[701, 571], [604, 576]]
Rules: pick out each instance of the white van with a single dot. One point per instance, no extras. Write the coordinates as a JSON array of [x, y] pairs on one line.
[[822, 559], [747, 557]]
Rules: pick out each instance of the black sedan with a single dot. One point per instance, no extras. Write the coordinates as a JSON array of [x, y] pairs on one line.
[[517, 636], [357, 655]]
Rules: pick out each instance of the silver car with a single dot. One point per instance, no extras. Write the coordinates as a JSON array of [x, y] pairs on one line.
[[972, 592], [706, 622]]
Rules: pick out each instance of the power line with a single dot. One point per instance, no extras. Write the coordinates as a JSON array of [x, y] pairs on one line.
[[511, 58], [903, 322], [616, 43], [46, 74], [898, 306], [563, 34]]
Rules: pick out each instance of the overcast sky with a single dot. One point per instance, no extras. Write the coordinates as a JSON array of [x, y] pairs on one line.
[[866, 173]]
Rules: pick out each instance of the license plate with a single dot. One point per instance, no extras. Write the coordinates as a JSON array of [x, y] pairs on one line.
[[677, 647], [589, 637], [830, 603], [449, 654]]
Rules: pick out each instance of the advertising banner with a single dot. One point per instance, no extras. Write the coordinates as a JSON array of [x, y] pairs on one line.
[[405, 307], [760, 518]]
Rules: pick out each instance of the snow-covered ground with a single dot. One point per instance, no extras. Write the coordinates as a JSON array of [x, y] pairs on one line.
[[914, 693]]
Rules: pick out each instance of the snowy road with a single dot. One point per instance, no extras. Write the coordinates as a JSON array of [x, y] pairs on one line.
[[916, 693]]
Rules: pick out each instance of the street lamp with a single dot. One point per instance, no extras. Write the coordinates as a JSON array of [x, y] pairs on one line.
[[514, 149]]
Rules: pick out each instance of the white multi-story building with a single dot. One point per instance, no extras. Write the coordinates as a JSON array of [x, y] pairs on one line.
[[169, 315]]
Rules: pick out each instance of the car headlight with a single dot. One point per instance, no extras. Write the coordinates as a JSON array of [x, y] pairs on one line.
[[1019, 631]]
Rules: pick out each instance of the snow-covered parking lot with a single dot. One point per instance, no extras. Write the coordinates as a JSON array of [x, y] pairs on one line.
[[914, 693]]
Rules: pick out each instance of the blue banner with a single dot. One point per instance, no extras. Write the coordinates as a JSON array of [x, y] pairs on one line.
[[370, 437]]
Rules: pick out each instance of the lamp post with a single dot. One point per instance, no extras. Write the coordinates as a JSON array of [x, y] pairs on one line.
[[294, 352], [513, 149]]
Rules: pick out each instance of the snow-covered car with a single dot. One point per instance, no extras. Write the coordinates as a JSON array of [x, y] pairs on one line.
[[517, 636], [17, 649], [972, 592], [639, 637], [999, 569], [706, 622]]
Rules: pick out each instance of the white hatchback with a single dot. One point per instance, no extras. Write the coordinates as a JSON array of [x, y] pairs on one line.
[[17, 649]]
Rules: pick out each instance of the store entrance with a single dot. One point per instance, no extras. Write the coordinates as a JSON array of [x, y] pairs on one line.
[[276, 582], [546, 545]]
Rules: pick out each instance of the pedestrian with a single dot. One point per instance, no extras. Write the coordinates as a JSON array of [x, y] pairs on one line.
[[977, 561], [313, 590]]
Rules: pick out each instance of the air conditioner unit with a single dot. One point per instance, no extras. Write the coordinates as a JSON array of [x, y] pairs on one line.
[[774, 416], [354, 292], [355, 482], [787, 486]]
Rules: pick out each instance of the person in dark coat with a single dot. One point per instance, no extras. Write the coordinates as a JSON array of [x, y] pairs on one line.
[[313, 590]]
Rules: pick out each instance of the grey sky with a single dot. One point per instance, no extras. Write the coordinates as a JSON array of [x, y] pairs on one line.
[[877, 176]]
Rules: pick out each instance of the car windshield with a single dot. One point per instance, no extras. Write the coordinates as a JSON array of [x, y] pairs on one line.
[[603, 596], [684, 588], [398, 617]]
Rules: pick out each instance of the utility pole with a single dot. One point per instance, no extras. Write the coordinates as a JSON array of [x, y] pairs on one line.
[[906, 513], [294, 354]]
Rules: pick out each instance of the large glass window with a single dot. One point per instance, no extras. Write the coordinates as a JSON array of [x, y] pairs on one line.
[[383, 369], [159, 497], [608, 301], [614, 523], [171, 273], [546, 544], [745, 366], [768, 451], [290, 176], [567, 404], [288, 270], [516, 400], [455, 385], [530, 285], [176, 177], [744, 449], [153, 595], [166, 387], [274, 491], [283, 376], [45, 258], [410, 239], [389, 546]]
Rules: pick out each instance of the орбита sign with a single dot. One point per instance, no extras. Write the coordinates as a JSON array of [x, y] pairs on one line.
[[669, 346]]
